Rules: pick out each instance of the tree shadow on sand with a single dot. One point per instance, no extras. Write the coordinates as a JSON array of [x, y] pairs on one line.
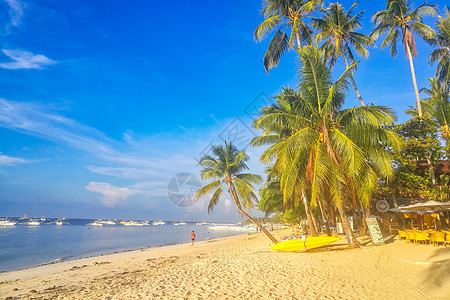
[[439, 270]]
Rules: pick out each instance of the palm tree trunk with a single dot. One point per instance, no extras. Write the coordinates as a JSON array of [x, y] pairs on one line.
[[365, 214], [352, 241], [413, 74], [324, 217], [309, 215], [299, 43], [239, 207], [431, 168], [353, 83]]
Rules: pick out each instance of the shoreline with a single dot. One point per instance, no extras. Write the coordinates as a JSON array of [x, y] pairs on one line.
[[61, 260], [243, 267], [116, 253], [99, 253]]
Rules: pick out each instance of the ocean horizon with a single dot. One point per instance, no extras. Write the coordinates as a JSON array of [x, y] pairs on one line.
[[24, 246]]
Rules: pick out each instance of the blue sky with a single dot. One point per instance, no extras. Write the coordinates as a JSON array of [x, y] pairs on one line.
[[103, 102]]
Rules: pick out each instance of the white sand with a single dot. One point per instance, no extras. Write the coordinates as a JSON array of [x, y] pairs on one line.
[[243, 267]]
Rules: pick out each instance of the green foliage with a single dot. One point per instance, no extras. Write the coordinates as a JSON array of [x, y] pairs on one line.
[[338, 29], [420, 141], [437, 108], [420, 145], [282, 16], [442, 43], [226, 166], [289, 217], [325, 147], [400, 20], [271, 198]]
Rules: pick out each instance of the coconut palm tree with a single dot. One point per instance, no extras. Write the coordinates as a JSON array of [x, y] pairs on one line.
[[277, 131], [271, 199], [226, 167], [333, 152], [338, 29], [282, 16], [437, 107], [399, 18], [442, 41]]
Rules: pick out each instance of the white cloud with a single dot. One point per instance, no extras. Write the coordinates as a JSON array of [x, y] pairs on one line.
[[6, 160], [150, 161], [112, 195], [15, 11], [25, 60], [136, 159], [123, 172]]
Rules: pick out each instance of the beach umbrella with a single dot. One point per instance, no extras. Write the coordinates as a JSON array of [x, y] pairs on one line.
[[429, 207], [401, 209]]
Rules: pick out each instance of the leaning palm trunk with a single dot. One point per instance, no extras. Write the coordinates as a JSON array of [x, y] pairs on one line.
[[352, 241], [234, 195], [354, 84], [413, 75], [309, 216]]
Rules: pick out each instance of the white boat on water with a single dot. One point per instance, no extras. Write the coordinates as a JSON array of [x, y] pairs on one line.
[[33, 222], [201, 223], [95, 223], [156, 223], [179, 223], [43, 219], [59, 222], [133, 223], [5, 222], [24, 217], [109, 222]]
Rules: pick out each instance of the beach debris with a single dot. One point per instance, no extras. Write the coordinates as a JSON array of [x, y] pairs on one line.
[[101, 263]]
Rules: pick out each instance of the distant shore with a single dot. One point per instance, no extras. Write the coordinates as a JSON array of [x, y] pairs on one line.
[[242, 267]]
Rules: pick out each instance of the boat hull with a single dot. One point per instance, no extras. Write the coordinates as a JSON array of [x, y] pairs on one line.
[[310, 243]]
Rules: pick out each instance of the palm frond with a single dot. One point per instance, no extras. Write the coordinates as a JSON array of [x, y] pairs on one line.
[[277, 47], [267, 26], [207, 189]]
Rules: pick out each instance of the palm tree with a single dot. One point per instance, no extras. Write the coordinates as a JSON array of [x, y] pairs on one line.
[[442, 41], [437, 107], [338, 29], [226, 168], [398, 17], [275, 132], [282, 15], [333, 152]]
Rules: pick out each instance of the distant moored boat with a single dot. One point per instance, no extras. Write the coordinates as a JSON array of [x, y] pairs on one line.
[[95, 223], [33, 222], [5, 222]]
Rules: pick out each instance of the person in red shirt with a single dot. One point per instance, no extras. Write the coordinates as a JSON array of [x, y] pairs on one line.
[[193, 237]]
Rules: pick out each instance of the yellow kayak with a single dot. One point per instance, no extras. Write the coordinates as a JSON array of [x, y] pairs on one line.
[[310, 243]]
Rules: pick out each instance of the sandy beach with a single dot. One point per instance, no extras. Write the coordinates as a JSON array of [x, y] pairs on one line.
[[242, 267]]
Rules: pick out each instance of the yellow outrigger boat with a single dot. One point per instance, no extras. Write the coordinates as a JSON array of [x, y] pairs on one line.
[[308, 243]]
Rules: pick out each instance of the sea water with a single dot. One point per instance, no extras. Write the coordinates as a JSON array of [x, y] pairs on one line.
[[23, 246]]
